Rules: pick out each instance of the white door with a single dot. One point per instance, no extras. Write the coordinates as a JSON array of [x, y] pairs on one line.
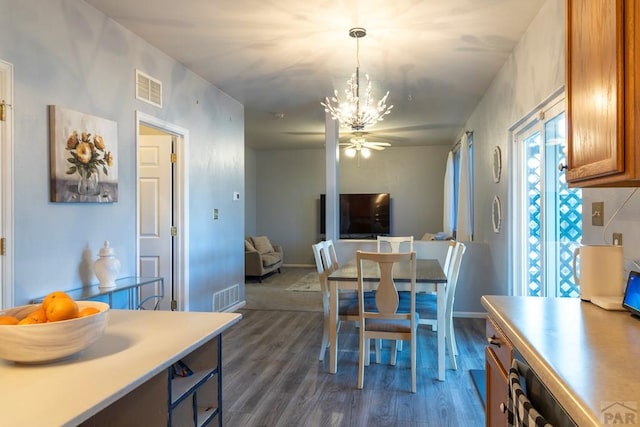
[[6, 184], [156, 212]]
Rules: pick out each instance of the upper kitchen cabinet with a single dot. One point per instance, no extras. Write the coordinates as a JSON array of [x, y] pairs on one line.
[[603, 148]]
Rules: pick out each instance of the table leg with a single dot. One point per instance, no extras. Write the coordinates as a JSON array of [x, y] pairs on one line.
[[441, 328], [333, 326]]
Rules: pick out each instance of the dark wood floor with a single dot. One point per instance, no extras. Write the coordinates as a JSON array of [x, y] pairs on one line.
[[272, 377]]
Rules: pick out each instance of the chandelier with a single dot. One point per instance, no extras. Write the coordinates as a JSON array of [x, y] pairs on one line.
[[357, 112]]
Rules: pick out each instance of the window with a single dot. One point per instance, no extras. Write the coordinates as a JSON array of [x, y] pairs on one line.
[[456, 180], [546, 213]]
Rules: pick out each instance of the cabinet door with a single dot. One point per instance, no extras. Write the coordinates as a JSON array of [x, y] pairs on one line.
[[497, 391], [595, 89]]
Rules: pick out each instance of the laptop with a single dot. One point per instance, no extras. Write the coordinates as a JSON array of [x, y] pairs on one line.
[[631, 299]]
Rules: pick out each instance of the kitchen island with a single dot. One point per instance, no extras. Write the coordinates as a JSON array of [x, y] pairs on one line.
[[588, 358], [123, 378]]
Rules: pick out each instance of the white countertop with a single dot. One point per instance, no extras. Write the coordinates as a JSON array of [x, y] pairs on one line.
[[587, 357], [136, 346]]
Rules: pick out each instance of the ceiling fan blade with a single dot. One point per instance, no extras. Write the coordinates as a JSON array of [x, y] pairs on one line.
[[374, 147], [380, 144]]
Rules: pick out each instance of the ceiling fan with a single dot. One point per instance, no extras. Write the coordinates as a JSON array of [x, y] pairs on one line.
[[358, 145]]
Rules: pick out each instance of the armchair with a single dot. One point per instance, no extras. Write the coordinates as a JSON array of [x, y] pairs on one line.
[[261, 257]]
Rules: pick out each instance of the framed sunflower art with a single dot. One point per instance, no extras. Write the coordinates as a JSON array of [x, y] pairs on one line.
[[83, 152]]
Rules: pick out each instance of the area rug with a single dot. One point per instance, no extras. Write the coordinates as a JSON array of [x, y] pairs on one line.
[[308, 283]]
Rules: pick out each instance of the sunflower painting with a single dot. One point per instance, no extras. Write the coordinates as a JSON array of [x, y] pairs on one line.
[[83, 157]]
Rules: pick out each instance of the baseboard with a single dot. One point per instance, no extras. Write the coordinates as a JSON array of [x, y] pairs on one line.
[[470, 314], [299, 265], [236, 306]]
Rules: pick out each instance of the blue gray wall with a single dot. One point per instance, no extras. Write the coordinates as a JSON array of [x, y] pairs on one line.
[[67, 53]]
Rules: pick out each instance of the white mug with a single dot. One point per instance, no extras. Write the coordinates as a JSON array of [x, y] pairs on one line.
[[601, 270]]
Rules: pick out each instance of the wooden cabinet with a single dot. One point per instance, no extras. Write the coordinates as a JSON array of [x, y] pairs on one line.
[[499, 355], [603, 144]]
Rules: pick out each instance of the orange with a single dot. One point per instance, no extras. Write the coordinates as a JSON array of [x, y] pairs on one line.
[[88, 311], [62, 309], [8, 320], [53, 296], [28, 321], [38, 316]]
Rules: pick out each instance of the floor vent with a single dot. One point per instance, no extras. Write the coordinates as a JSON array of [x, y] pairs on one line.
[[226, 298], [148, 89]]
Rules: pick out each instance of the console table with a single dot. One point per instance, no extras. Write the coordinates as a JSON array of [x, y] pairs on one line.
[[130, 287]]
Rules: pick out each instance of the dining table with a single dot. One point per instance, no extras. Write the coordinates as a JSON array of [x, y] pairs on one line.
[[429, 278]]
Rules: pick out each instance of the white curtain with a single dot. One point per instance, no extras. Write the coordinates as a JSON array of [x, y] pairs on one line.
[[464, 224], [448, 220]]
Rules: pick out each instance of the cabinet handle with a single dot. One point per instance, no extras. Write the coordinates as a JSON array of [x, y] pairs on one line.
[[503, 408], [493, 340], [561, 167]]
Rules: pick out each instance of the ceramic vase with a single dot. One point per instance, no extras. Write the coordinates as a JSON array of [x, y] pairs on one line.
[[106, 267]]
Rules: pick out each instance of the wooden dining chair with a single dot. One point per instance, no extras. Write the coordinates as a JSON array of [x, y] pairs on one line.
[[392, 244], [347, 301], [381, 317]]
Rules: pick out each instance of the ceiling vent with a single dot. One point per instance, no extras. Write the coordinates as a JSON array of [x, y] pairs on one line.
[[148, 89]]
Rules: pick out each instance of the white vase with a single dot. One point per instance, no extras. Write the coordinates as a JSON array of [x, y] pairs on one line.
[[106, 267]]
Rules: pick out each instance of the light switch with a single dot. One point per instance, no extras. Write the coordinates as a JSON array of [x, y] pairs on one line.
[[236, 196], [215, 213]]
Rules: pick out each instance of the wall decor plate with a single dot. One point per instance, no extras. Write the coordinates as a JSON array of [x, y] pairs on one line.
[[497, 164], [496, 214]]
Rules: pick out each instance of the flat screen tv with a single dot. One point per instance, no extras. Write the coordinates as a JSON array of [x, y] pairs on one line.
[[362, 216]]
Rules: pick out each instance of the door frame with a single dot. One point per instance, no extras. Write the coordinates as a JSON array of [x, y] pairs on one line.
[[181, 206], [6, 186]]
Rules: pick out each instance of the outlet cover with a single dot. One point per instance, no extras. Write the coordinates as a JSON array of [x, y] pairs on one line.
[[597, 214]]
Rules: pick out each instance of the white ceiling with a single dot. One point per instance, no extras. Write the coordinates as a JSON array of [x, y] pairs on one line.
[[436, 57]]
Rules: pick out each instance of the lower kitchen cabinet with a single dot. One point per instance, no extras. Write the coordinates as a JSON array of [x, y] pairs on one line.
[[499, 355]]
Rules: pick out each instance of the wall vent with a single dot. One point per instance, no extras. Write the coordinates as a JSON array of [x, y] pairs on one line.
[[148, 89], [226, 298]]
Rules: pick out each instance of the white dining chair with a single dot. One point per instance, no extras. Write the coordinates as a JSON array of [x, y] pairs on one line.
[[431, 298], [427, 304], [331, 260], [347, 301], [380, 318], [394, 243]]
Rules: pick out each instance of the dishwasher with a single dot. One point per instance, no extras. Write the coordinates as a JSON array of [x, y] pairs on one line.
[[539, 396]]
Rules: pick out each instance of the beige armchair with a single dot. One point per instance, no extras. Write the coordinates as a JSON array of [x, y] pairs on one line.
[[261, 257]]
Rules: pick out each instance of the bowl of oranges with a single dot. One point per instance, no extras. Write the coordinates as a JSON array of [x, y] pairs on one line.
[[53, 330]]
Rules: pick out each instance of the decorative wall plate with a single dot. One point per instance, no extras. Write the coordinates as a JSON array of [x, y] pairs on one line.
[[496, 214], [497, 164]]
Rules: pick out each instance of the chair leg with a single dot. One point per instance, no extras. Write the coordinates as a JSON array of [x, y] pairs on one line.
[[367, 349], [363, 355], [451, 344], [394, 351], [413, 361], [400, 345], [325, 338], [378, 344]]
